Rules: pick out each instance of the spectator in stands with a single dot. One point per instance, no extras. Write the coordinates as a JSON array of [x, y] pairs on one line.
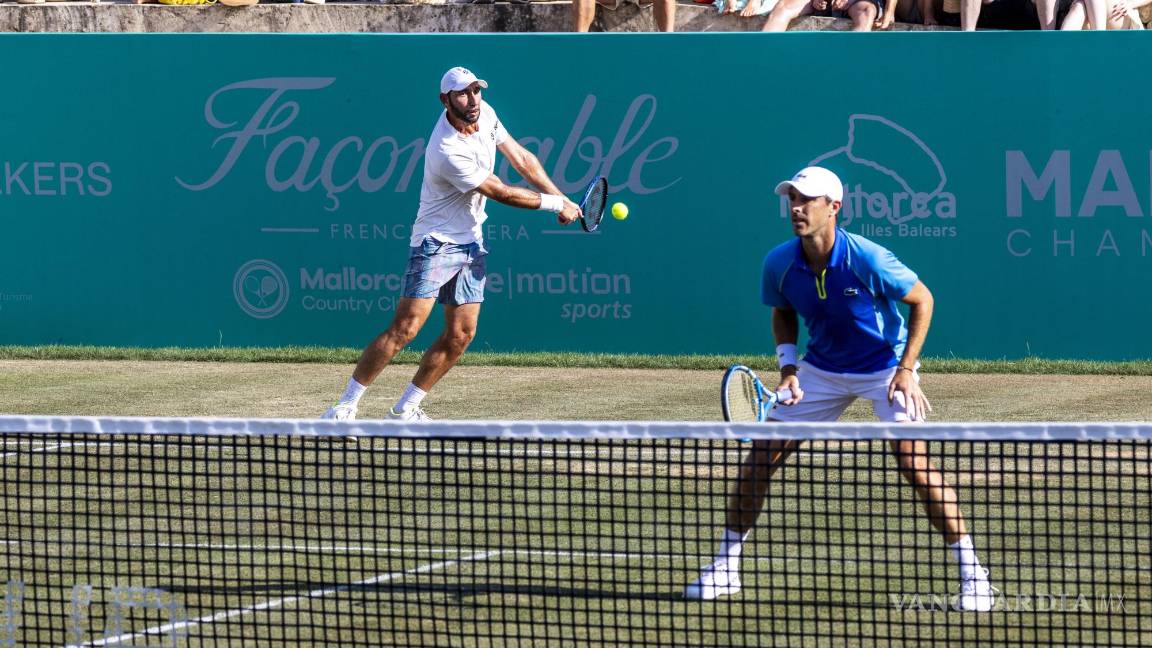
[[1122, 15], [744, 8], [919, 12], [865, 15], [1003, 14], [584, 12]]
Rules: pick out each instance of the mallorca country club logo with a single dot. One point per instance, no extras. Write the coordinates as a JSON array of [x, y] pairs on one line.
[[260, 288], [894, 183]]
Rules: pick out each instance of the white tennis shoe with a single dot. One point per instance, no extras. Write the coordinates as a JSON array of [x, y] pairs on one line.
[[412, 415], [340, 412], [976, 592], [715, 580]]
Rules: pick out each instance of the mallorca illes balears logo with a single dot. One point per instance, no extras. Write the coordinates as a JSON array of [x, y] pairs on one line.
[[261, 288], [894, 184]]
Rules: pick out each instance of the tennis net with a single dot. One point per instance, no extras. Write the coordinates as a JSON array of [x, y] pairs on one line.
[[219, 532]]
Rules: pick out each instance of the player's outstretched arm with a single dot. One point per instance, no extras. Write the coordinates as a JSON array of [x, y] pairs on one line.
[[493, 187], [528, 165]]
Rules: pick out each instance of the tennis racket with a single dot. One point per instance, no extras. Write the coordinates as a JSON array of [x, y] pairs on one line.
[[744, 398], [593, 203]]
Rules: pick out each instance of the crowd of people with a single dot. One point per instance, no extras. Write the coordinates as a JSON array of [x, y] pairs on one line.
[[869, 15], [865, 15]]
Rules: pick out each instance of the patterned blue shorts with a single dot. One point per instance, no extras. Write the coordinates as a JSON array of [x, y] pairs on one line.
[[452, 273]]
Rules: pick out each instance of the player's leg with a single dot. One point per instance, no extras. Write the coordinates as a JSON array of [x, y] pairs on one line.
[[937, 496], [461, 296], [411, 313], [431, 265], [459, 329], [825, 399], [747, 497], [939, 499], [721, 577], [785, 12], [943, 509]]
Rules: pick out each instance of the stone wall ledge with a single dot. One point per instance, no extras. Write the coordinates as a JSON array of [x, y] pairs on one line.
[[389, 16]]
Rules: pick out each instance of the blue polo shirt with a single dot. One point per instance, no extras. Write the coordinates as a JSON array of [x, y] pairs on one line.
[[850, 309]]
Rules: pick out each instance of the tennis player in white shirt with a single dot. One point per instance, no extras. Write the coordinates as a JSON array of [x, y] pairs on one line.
[[446, 261]]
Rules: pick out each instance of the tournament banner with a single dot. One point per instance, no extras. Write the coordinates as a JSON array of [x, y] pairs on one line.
[[259, 190]]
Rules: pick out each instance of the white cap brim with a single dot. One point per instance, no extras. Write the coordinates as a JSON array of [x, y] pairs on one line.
[[815, 184], [461, 86], [801, 188]]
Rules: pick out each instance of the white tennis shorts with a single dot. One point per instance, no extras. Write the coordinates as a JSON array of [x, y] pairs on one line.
[[827, 395]]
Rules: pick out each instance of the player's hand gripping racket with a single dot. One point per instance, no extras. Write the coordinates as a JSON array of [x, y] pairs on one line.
[[593, 203], [744, 398]]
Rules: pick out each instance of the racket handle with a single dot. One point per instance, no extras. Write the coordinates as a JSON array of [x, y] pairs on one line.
[[783, 395]]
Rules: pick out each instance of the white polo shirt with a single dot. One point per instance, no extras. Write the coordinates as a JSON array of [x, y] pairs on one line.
[[451, 209]]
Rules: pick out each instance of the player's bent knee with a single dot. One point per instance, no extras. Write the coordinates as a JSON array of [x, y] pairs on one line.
[[403, 331], [458, 340]]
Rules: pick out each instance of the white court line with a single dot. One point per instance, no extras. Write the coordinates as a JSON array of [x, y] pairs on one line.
[[275, 603], [550, 553], [49, 448], [108, 445]]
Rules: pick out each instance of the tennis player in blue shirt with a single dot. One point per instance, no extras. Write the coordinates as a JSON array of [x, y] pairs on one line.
[[846, 288]]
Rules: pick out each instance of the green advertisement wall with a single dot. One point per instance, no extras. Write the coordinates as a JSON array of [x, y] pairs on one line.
[[259, 190]]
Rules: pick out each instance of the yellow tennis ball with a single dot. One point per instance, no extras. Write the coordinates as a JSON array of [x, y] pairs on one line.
[[619, 211]]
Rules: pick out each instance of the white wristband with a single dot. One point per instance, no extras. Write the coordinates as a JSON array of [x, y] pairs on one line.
[[786, 354], [551, 202]]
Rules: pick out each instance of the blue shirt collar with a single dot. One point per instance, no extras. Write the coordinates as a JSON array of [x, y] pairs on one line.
[[839, 249]]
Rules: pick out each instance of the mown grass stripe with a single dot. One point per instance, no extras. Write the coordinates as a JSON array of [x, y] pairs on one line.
[[336, 355]]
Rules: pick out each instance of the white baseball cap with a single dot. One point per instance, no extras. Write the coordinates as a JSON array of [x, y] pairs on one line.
[[814, 182], [459, 78]]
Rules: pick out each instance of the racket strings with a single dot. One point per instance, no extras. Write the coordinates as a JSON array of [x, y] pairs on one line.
[[595, 208], [594, 202], [743, 398]]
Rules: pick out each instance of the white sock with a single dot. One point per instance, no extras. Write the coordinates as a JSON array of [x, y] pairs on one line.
[[352, 393], [731, 546], [965, 554], [411, 397]]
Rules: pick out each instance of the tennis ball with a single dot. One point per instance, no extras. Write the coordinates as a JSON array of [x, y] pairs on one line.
[[619, 211]]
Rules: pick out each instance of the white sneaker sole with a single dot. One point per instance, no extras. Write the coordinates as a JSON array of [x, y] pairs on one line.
[[976, 603], [695, 592]]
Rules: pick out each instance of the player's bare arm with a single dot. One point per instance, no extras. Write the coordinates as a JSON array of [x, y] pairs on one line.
[[493, 187], [786, 330], [920, 304], [528, 165]]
